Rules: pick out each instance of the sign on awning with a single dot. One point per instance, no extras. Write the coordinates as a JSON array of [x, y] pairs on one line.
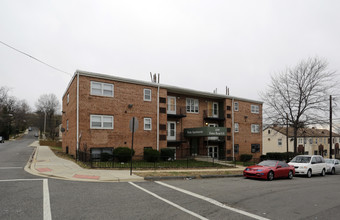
[[205, 132]]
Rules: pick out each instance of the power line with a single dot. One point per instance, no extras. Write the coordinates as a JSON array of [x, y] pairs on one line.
[[32, 57]]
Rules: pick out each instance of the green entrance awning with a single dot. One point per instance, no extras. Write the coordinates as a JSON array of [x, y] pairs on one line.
[[205, 132]]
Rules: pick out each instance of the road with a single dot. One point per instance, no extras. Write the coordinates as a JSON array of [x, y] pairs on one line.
[[24, 196]]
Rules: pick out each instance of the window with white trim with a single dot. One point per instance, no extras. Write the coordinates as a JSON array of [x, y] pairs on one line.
[[255, 109], [236, 106], [192, 105], [255, 128], [147, 95], [236, 127], [279, 142], [101, 122], [102, 89], [147, 124]]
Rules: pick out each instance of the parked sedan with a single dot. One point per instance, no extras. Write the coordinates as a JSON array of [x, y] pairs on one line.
[[270, 169], [333, 166]]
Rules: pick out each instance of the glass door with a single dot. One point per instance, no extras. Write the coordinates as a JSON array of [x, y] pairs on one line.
[[171, 105]]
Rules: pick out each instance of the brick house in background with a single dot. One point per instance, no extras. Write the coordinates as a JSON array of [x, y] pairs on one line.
[[97, 109]]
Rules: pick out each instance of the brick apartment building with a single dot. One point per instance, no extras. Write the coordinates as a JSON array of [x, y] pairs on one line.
[[97, 109]]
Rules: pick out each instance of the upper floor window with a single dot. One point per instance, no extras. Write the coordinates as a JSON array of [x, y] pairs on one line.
[[67, 125], [255, 128], [236, 106], [101, 122], [147, 124], [236, 127], [102, 89], [147, 95], [279, 141], [68, 98], [255, 109], [310, 140], [192, 105]]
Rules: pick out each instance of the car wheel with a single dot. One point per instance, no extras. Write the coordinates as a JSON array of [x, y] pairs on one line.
[[290, 175], [309, 173], [323, 173], [270, 176], [333, 171]]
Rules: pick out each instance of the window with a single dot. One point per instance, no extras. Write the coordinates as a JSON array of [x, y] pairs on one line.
[[147, 95], [255, 109], [101, 122], [192, 105], [311, 140], [279, 142], [236, 127], [67, 125], [282, 164], [147, 124], [268, 131], [68, 98], [101, 89], [255, 128], [236, 106], [236, 148], [255, 148]]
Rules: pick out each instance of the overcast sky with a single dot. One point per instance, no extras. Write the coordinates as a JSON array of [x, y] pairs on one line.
[[199, 45]]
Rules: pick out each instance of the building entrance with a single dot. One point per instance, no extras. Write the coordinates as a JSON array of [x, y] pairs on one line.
[[213, 151]]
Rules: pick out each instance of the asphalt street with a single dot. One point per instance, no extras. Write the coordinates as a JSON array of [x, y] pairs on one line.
[[24, 196]]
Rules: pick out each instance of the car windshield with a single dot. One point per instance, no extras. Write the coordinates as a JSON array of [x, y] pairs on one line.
[[329, 161], [269, 163], [301, 159]]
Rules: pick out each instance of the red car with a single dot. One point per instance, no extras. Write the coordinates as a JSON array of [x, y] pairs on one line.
[[270, 169]]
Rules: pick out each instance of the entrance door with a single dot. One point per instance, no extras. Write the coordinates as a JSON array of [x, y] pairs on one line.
[[171, 105], [213, 151], [171, 131]]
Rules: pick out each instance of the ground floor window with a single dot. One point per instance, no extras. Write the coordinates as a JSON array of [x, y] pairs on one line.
[[236, 148], [255, 148]]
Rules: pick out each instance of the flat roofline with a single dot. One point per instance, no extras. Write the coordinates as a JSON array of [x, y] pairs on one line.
[[173, 89]]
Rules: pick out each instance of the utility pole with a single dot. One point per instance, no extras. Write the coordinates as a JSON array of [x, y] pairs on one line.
[[287, 135], [330, 127]]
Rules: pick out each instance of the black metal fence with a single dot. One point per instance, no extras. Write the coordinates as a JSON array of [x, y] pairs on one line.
[[105, 160]]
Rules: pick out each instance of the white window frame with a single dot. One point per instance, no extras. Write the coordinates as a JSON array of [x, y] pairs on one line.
[[236, 106], [101, 88], [255, 109], [147, 121], [279, 142], [145, 95], [171, 107], [169, 136], [102, 117], [68, 98], [236, 127], [193, 105], [67, 125], [255, 128], [215, 109]]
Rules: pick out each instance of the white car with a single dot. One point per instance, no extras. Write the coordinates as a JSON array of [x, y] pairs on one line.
[[333, 166], [308, 165]]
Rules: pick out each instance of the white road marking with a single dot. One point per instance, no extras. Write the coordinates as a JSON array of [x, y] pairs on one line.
[[46, 196], [17, 180], [8, 168], [169, 202], [47, 204], [212, 201]]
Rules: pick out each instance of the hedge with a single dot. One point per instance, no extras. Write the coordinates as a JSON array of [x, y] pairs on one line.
[[151, 155], [123, 154], [246, 157], [167, 153]]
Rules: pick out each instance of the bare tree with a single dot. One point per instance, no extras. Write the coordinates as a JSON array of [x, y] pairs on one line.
[[47, 105], [300, 95]]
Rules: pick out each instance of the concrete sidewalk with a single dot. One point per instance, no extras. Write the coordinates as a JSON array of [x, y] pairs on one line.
[[46, 164]]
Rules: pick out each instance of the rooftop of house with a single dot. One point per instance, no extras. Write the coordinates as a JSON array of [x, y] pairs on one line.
[[304, 132], [173, 89]]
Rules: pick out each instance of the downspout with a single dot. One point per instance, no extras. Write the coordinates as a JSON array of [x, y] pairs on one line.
[[158, 117], [232, 127], [77, 153]]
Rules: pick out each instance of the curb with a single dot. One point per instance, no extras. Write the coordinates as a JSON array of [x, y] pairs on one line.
[[156, 178]]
